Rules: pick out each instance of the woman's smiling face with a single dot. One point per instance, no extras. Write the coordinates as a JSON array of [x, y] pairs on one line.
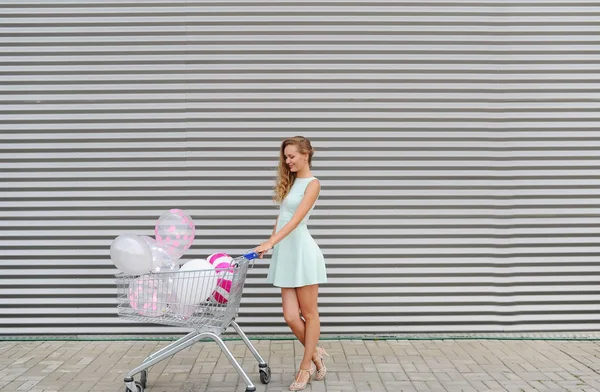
[[294, 159]]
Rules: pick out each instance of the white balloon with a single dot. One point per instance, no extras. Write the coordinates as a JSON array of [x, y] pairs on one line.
[[194, 284], [131, 254]]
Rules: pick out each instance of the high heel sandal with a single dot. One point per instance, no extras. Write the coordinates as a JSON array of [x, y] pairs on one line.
[[298, 386], [323, 370]]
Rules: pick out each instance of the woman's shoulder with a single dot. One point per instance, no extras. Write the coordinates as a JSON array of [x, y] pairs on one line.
[[313, 180], [314, 183], [307, 180]]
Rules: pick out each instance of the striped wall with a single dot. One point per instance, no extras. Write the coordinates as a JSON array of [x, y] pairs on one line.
[[457, 145]]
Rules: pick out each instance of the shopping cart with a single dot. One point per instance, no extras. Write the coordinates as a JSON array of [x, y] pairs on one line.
[[206, 301]]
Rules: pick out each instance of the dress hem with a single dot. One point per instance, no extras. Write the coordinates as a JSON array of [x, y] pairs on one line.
[[295, 287]]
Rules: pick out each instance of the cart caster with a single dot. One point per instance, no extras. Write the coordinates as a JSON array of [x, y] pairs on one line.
[[144, 378], [265, 375], [138, 387], [253, 389]]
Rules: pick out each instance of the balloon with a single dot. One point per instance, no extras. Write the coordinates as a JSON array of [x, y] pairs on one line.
[[149, 295], [217, 258], [194, 284], [175, 232], [224, 282], [222, 262], [161, 261], [131, 254]]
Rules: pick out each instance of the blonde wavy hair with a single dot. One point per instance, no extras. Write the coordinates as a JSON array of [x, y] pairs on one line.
[[285, 177]]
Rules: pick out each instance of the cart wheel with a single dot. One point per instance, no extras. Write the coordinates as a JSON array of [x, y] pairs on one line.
[[144, 378], [265, 375], [138, 387]]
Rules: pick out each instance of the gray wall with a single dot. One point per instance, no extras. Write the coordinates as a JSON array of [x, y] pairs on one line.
[[457, 144]]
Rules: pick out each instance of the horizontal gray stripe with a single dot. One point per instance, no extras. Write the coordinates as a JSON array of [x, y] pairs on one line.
[[333, 82], [334, 134], [484, 160], [304, 90], [128, 4], [572, 263], [43, 71], [498, 100], [192, 51], [176, 164], [540, 247], [354, 256], [125, 61], [360, 327], [53, 236], [245, 208], [583, 111], [319, 225], [357, 187], [249, 307], [428, 11], [375, 313], [236, 24], [335, 274], [541, 292], [190, 138], [258, 149], [286, 43], [333, 285], [380, 206], [324, 33], [324, 178]]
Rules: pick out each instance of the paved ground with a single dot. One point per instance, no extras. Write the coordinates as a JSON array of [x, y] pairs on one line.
[[355, 365]]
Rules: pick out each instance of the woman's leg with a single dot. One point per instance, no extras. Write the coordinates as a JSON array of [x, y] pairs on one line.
[[307, 298], [291, 315], [291, 312]]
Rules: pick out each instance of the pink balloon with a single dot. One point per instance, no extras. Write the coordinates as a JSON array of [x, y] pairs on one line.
[[175, 231], [223, 267], [149, 296], [215, 256], [221, 293]]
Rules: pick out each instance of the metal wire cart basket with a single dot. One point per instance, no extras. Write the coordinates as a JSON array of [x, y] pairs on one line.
[[206, 301]]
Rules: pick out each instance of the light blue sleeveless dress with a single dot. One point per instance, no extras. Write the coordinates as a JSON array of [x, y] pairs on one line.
[[297, 259]]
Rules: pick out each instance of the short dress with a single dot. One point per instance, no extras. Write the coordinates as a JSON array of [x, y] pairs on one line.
[[297, 259]]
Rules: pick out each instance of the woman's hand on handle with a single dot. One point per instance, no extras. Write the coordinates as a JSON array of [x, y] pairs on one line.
[[263, 248]]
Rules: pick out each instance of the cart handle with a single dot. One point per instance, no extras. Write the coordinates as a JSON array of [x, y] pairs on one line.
[[251, 255]]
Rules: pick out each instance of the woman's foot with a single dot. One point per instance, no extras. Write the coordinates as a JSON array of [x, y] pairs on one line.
[[303, 378], [319, 363]]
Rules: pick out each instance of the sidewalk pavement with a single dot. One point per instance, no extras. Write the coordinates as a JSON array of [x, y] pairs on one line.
[[354, 365]]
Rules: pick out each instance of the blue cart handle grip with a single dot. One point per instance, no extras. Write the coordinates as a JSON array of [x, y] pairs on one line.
[[251, 255]]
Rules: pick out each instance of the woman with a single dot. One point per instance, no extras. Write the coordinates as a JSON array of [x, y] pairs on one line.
[[297, 265]]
